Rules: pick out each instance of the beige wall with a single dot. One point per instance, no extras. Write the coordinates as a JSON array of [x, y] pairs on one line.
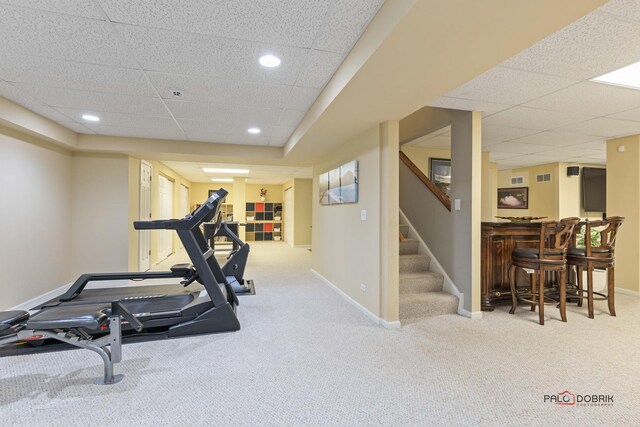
[[303, 199], [346, 250], [623, 188], [489, 201], [559, 198], [100, 213], [199, 192], [421, 155], [274, 192], [35, 237]]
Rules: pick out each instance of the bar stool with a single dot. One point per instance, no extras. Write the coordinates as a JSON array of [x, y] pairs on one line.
[[549, 256], [597, 257]]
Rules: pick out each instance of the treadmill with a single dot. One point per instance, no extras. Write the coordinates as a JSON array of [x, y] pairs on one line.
[[99, 320]]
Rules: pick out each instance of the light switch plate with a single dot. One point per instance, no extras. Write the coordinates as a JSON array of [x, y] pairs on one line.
[[456, 204], [363, 215]]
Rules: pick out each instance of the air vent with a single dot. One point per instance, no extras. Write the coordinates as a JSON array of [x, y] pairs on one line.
[[517, 180], [544, 177]]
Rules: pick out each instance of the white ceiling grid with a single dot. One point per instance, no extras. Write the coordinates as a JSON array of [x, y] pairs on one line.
[[121, 59], [540, 106]]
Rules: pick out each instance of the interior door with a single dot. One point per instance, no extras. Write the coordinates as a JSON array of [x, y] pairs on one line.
[[184, 203], [165, 237], [144, 236], [287, 215]]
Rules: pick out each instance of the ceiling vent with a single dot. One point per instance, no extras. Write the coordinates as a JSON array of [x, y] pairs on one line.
[[544, 177], [175, 93], [515, 180]]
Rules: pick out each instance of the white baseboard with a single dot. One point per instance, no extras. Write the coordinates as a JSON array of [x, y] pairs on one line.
[[474, 315], [41, 299], [356, 304], [447, 286], [627, 292]]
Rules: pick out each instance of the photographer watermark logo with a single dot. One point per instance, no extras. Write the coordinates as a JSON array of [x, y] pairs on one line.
[[566, 398]]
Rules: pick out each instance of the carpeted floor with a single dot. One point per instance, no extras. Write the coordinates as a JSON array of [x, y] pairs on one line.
[[305, 356]]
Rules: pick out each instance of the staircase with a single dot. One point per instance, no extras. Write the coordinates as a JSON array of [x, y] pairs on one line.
[[421, 292]]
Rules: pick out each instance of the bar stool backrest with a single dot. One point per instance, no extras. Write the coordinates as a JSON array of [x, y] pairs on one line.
[[561, 235], [607, 235]]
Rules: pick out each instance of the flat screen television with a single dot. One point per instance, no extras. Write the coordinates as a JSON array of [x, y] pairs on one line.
[[594, 189]]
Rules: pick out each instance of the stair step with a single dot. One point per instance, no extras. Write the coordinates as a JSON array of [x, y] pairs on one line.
[[414, 263], [404, 230], [427, 281], [420, 305], [408, 246]]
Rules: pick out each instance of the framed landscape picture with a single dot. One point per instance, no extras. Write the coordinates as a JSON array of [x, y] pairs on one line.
[[323, 188], [513, 198], [340, 185], [440, 173]]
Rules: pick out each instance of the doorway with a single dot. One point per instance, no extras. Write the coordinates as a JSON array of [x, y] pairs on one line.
[[165, 208], [144, 236]]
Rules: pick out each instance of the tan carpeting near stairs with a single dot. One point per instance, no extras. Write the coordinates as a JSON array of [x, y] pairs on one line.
[[421, 292]]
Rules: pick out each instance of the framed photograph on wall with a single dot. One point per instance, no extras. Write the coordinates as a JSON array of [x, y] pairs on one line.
[[349, 182], [323, 188], [513, 198], [440, 173]]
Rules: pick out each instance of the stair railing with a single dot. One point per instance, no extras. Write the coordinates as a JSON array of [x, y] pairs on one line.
[[440, 195]]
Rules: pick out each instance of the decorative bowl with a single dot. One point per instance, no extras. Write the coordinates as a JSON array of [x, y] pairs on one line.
[[521, 218]]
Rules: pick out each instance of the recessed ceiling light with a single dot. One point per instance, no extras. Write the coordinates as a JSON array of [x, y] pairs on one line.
[[223, 170], [269, 61], [254, 131], [222, 179], [628, 76], [91, 118]]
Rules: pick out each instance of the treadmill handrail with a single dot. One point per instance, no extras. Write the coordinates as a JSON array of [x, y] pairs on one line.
[[82, 281], [204, 213]]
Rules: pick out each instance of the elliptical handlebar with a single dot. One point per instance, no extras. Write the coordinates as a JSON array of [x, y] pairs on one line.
[[204, 213]]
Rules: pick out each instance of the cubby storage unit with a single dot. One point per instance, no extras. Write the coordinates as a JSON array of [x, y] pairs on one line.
[[261, 221]]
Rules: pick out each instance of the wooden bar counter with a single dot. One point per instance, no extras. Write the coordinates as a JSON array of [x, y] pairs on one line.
[[499, 239]]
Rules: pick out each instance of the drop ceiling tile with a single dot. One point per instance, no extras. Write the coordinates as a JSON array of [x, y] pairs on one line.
[[278, 141], [49, 113], [35, 33], [489, 142], [301, 98], [593, 45], [633, 114], [284, 22], [626, 9], [319, 68], [92, 101], [75, 75], [245, 139], [82, 8], [12, 93], [605, 127], [290, 118], [518, 148], [599, 145], [595, 99], [280, 132], [212, 57], [77, 127], [575, 151], [531, 118], [487, 108], [122, 120], [346, 20], [223, 113], [495, 156], [212, 91], [500, 133], [556, 139], [139, 133], [224, 129], [508, 86]]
